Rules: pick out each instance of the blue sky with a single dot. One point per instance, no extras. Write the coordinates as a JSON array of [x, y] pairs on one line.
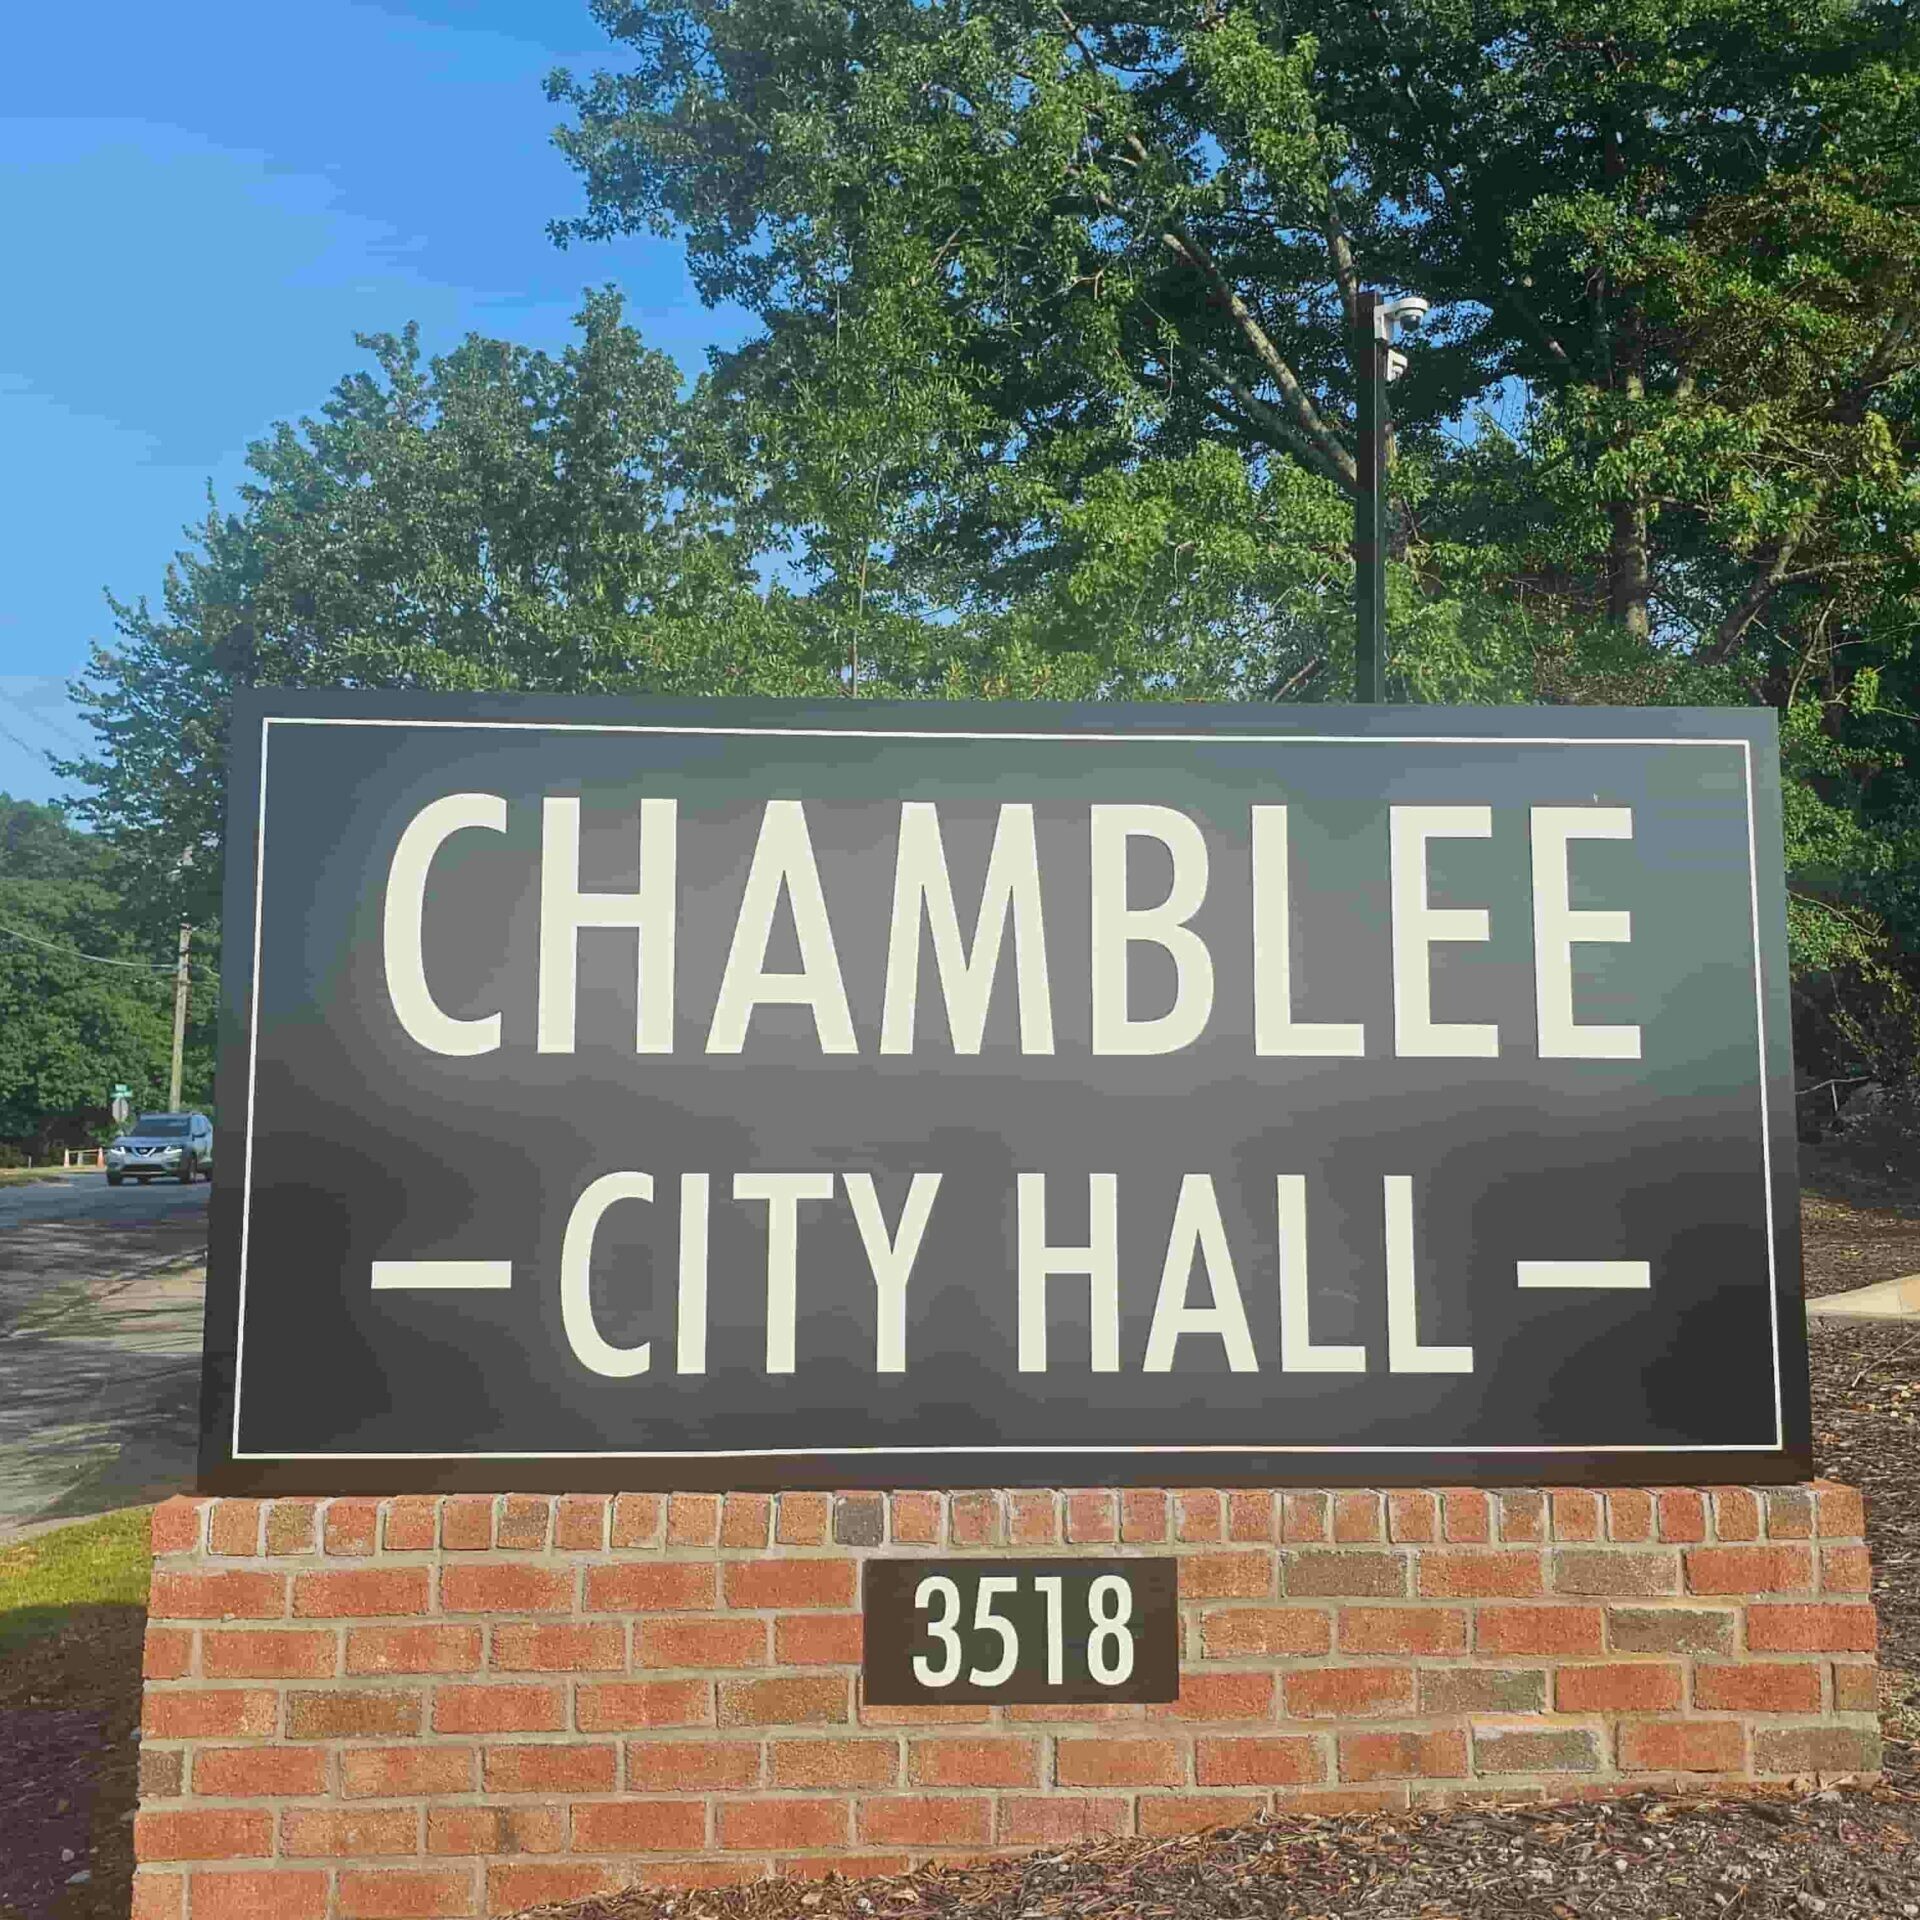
[[202, 205]]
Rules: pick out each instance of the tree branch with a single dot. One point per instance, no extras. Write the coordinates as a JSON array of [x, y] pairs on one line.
[[1747, 609]]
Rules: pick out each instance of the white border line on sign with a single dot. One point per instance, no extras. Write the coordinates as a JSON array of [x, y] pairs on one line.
[[269, 721]]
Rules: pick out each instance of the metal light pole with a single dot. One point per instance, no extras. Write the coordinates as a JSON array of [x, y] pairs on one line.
[[179, 1018], [1370, 350]]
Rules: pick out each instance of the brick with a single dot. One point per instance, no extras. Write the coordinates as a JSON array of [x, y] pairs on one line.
[[678, 1641], [218, 1596], [1483, 1690], [311, 1833], [1576, 1513], [1464, 1517], [792, 1583], [159, 1896], [922, 1820], [1084, 1713], [163, 1772], [975, 1520], [1440, 1755], [242, 1773], [1328, 1692], [1789, 1513], [1196, 1515], [1561, 1630], [264, 1654], [352, 1526], [1343, 1800], [368, 1773], [1682, 1746], [1683, 1515], [1530, 1750], [1033, 1519], [523, 1523], [233, 1526], [693, 1519], [1503, 1572], [859, 1519], [1220, 1696], [547, 1766], [914, 1519], [665, 1586], [974, 1763], [1830, 1627], [1231, 1632], [580, 1522], [495, 1830], [1669, 1630], [872, 1716], [268, 1895], [224, 1833], [347, 1716], [817, 1640], [800, 1519], [1357, 1519], [1170, 1813], [1758, 1687], [361, 1593], [1091, 1517], [767, 1824], [1411, 1519], [1523, 1517], [834, 1763], [1143, 1514], [722, 1873], [466, 1523], [1608, 1572], [1839, 1512], [1119, 1763], [1736, 1514], [1856, 1687], [1845, 1570], [197, 1714], [1629, 1515], [413, 1649], [505, 1709], [1250, 1515], [167, 1653], [521, 1646], [1227, 1576], [1303, 1517], [689, 1766], [746, 1520], [1403, 1630], [1329, 1572], [1743, 1570], [1816, 1750], [175, 1526], [1257, 1761], [619, 1705], [513, 1887], [435, 1893], [1623, 1687], [505, 1588], [637, 1520], [1057, 1819], [804, 1700], [640, 1826], [412, 1523]]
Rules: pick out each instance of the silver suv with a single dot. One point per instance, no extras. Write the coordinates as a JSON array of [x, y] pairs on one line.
[[174, 1146]]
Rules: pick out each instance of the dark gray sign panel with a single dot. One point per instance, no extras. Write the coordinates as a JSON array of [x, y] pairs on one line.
[[617, 1093]]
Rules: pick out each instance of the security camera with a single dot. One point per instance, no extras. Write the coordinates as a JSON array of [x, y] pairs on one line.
[[1408, 311]]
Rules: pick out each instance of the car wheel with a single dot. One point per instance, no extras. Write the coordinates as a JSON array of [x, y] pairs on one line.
[[114, 1179], [187, 1171]]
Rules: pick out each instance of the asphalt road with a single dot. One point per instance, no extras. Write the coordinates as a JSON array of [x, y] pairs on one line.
[[101, 1295]]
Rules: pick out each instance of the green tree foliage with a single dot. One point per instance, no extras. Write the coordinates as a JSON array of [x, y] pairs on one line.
[[73, 1027]]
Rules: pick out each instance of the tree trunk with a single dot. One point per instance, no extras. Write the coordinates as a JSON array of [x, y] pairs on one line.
[[1629, 586]]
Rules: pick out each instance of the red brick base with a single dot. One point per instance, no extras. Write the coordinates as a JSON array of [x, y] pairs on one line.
[[381, 1709]]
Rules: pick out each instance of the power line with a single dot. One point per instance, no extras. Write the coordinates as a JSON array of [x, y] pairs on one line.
[[74, 953]]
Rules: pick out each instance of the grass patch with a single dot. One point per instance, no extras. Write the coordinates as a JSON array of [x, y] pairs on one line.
[[25, 1176], [47, 1581]]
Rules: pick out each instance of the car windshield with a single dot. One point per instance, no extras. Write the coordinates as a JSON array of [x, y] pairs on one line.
[[162, 1126]]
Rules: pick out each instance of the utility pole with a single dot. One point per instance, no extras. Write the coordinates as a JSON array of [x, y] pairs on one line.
[[179, 1018], [1370, 349]]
